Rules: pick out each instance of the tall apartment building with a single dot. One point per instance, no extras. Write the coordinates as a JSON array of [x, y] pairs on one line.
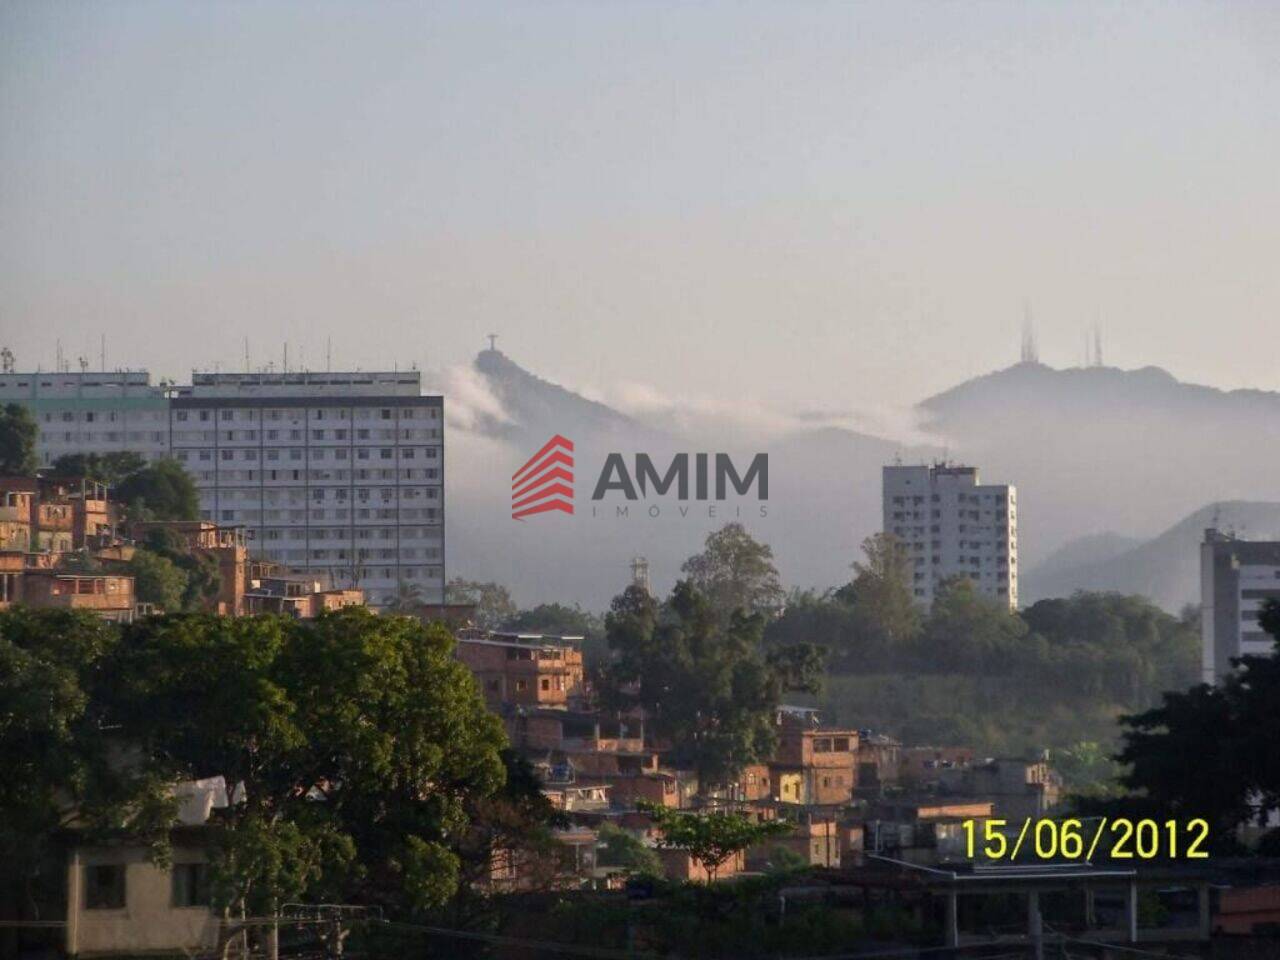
[[1236, 578], [953, 526], [335, 472], [88, 412]]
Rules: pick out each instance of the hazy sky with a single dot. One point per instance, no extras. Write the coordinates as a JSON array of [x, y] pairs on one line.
[[824, 205]]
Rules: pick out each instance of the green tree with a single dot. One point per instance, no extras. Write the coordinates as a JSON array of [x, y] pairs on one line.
[[560, 619], [1087, 769], [734, 572], [621, 848], [494, 606], [159, 491], [407, 600], [18, 432], [60, 750], [158, 580], [359, 739], [967, 630], [711, 838], [1209, 751], [108, 468], [880, 593], [707, 685], [201, 579]]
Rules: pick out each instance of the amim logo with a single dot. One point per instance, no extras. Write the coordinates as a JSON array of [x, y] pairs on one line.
[[545, 482]]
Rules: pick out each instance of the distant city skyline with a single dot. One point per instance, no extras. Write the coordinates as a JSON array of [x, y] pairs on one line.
[[840, 205]]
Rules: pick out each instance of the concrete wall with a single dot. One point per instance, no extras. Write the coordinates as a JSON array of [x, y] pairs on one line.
[[148, 921]]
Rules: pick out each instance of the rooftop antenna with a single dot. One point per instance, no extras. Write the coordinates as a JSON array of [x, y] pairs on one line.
[[1097, 346], [1030, 351], [247, 367], [285, 367], [493, 341], [84, 365], [102, 353], [328, 355]]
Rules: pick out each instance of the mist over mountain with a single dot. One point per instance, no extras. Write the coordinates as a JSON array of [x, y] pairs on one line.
[[1099, 449], [1166, 568], [1104, 459], [534, 405]]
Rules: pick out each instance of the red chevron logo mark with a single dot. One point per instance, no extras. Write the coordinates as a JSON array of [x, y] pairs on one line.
[[545, 483]]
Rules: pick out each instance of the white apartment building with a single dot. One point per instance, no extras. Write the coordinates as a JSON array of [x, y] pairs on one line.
[[335, 472], [952, 526], [88, 412], [1236, 578]]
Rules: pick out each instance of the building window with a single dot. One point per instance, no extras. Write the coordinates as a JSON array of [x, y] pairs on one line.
[[104, 887], [546, 683], [190, 885]]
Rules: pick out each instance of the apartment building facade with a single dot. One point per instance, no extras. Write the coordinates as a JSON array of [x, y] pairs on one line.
[[1237, 577], [92, 412], [340, 473], [950, 525]]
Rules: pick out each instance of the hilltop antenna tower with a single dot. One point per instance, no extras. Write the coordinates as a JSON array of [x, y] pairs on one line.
[[1030, 350]]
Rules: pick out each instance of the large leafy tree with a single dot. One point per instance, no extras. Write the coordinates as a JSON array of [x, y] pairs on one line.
[[620, 848], [711, 838], [708, 686], [18, 433], [60, 748], [493, 603], [157, 579], [109, 468], [159, 491], [969, 630], [881, 592], [1209, 751], [735, 572], [358, 739]]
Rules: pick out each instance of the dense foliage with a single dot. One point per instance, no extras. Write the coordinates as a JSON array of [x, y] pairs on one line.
[[366, 766], [735, 573], [707, 684], [108, 468], [969, 671], [169, 574], [711, 838], [18, 433], [162, 490], [493, 603], [1209, 751]]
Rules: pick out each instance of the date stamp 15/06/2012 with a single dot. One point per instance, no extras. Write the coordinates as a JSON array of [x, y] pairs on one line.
[[1075, 839]]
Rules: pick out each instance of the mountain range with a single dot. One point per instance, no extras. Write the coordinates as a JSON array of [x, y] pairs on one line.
[[1114, 468]]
